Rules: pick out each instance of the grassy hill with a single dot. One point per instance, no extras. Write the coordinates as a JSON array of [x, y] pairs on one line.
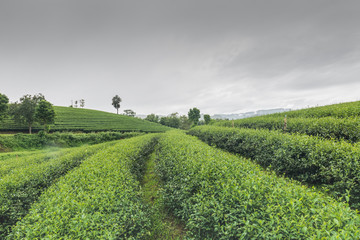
[[86, 120]]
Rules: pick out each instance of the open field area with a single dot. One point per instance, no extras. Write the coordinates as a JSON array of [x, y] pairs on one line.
[[165, 186], [86, 120]]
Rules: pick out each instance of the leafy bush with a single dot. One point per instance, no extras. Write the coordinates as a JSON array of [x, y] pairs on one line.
[[101, 199], [328, 127], [308, 159], [221, 196], [24, 179], [21, 141]]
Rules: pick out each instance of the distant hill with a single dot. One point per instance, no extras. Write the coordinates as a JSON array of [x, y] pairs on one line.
[[249, 114], [86, 120]]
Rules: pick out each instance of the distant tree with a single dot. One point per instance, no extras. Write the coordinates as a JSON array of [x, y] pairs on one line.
[[207, 119], [4, 101], [82, 103], [45, 114], [24, 111], [116, 103], [76, 104], [130, 112], [152, 118], [194, 115], [185, 124], [171, 121]]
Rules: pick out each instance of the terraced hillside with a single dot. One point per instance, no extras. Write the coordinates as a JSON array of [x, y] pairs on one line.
[[338, 121], [86, 120], [102, 192]]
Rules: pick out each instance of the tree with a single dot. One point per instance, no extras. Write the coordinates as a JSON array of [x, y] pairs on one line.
[[171, 121], [4, 100], [185, 124], [82, 103], [45, 113], [130, 113], [207, 119], [194, 115], [76, 104], [24, 112], [116, 103], [152, 118]]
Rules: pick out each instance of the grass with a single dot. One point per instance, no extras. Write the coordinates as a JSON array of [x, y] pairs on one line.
[[165, 225], [87, 120]]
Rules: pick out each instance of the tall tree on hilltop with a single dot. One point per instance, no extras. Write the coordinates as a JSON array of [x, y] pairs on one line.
[[116, 103], [194, 115], [24, 112], [45, 114], [4, 100]]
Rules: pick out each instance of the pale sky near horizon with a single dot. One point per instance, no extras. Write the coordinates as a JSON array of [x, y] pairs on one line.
[[222, 56]]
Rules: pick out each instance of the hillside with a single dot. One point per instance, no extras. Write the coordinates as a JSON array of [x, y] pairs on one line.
[[338, 121], [86, 120]]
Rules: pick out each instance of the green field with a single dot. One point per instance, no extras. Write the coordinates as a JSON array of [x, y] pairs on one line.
[[86, 120], [339, 122], [267, 184]]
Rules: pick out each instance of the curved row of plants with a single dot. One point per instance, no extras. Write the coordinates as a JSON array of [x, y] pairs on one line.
[[342, 110], [335, 165], [328, 127], [221, 196], [24, 179], [65, 139], [100, 199]]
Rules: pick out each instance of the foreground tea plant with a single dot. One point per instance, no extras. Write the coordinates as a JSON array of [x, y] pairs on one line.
[[221, 196], [308, 159], [24, 179], [100, 199]]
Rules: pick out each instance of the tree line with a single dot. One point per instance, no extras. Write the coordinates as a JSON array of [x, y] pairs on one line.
[[28, 110], [183, 122]]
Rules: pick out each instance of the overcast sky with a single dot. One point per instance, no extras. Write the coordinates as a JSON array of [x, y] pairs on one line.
[[168, 56]]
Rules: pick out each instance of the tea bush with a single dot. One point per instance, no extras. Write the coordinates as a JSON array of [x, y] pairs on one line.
[[101, 199], [308, 159], [221, 196]]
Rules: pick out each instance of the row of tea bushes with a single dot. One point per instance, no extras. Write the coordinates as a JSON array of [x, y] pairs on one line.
[[301, 157], [23, 185], [16, 163], [98, 200], [22, 141], [222, 196], [328, 127], [341, 110]]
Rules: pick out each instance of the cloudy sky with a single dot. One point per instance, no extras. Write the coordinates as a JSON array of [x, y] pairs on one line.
[[221, 56]]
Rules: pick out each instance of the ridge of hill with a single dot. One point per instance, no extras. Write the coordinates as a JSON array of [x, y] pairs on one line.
[[88, 120]]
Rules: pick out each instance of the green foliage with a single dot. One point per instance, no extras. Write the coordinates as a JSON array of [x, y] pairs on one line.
[[129, 112], [116, 100], [171, 121], [101, 199], [342, 110], [308, 159], [24, 179], [4, 100], [194, 115], [152, 118], [86, 120], [207, 119], [327, 127], [24, 141], [24, 112], [44, 113], [221, 196]]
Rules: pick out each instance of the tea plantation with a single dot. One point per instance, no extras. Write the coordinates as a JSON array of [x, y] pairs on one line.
[[86, 120], [248, 184]]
